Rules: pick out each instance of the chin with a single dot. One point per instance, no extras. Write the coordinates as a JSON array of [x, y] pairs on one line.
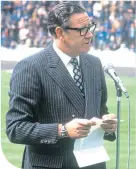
[[85, 50]]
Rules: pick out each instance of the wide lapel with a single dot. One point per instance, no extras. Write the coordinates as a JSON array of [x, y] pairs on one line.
[[57, 70], [89, 73]]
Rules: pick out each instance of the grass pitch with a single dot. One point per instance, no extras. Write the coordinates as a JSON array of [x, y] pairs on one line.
[[13, 152]]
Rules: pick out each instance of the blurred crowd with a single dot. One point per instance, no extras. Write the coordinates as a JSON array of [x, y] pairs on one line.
[[25, 23]]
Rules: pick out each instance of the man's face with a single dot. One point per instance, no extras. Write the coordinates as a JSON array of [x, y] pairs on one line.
[[73, 39]]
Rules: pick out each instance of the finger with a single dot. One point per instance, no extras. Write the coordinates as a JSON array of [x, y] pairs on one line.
[[109, 117], [83, 122], [83, 132], [110, 121], [92, 123], [107, 126], [109, 130], [83, 136], [113, 116], [85, 128]]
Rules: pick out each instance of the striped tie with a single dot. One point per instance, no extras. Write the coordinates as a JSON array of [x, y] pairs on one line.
[[77, 75]]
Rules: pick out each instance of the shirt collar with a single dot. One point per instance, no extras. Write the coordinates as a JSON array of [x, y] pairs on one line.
[[63, 56]]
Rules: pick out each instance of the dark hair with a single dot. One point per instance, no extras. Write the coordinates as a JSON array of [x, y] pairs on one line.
[[60, 14]]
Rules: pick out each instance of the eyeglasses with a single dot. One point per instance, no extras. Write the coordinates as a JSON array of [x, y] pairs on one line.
[[84, 30]]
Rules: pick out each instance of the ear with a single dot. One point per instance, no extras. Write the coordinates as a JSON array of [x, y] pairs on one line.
[[59, 33]]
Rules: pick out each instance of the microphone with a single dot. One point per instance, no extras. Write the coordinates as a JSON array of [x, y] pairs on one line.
[[109, 69]]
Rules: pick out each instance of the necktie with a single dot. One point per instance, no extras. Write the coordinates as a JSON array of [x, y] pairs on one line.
[[77, 75]]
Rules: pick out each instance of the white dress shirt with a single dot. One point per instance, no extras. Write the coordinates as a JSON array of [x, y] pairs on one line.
[[65, 59]]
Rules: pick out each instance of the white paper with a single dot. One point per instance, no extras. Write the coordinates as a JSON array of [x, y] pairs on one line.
[[90, 150]]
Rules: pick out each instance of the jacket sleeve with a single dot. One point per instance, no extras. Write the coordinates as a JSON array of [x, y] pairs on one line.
[[104, 108], [25, 94]]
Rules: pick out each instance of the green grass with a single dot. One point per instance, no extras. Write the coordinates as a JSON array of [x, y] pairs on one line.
[[13, 152], [130, 84]]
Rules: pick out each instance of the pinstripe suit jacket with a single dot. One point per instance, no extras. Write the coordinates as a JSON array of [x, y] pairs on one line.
[[42, 95]]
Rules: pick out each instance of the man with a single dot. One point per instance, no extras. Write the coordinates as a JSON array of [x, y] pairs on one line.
[[55, 93]]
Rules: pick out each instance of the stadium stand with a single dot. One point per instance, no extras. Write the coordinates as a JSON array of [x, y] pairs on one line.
[[25, 23]]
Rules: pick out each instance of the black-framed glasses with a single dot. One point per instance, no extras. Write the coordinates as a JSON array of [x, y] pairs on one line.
[[84, 30]]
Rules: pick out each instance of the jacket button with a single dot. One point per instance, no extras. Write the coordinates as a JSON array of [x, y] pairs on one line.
[[42, 141], [45, 141], [54, 141], [49, 141], [73, 115]]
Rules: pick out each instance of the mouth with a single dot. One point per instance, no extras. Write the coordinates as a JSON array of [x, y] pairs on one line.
[[88, 42]]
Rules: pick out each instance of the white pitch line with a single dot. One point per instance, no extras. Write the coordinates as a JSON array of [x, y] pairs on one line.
[[9, 70]]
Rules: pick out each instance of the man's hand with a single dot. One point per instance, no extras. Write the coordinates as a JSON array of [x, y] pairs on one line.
[[78, 128], [109, 124]]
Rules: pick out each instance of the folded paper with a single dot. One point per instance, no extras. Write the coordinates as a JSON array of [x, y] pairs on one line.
[[90, 150]]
